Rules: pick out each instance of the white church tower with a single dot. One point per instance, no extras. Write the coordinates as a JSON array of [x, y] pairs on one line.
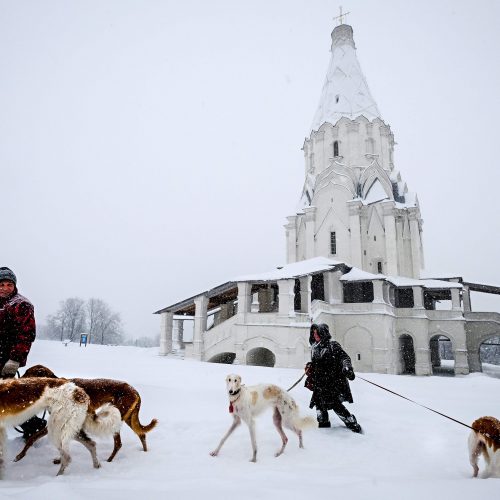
[[355, 207]]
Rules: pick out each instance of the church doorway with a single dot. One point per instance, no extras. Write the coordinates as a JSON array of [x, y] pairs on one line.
[[260, 356], [407, 355], [442, 357], [224, 357], [489, 356]]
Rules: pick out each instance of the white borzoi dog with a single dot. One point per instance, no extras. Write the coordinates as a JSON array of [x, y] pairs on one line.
[[245, 403], [70, 417], [484, 440]]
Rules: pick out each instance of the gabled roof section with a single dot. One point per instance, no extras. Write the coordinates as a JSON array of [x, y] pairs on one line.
[[345, 91]]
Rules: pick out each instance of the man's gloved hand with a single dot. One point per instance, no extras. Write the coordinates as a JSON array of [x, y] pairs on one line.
[[308, 368], [348, 372], [10, 369]]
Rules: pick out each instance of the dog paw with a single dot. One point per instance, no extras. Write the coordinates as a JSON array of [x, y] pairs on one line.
[[56, 461], [213, 453]]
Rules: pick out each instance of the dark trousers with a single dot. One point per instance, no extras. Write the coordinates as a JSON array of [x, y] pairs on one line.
[[338, 408]]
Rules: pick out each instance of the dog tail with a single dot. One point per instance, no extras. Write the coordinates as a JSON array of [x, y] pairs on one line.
[[136, 425], [304, 423], [105, 421]]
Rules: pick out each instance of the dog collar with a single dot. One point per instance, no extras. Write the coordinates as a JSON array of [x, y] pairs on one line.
[[231, 407]]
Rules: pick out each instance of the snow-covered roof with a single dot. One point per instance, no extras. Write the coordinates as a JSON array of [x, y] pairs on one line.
[[356, 274], [345, 91], [293, 270]]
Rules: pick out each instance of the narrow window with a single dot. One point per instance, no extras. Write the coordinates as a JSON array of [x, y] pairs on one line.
[[336, 148], [359, 357], [333, 243], [379, 267]]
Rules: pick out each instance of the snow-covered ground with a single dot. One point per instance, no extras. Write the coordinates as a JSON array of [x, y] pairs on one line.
[[406, 452]]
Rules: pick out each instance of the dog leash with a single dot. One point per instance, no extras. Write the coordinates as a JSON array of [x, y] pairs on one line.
[[415, 402], [427, 408], [290, 388]]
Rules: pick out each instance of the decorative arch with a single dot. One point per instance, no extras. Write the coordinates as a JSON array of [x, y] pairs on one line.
[[370, 175], [483, 354], [442, 355], [223, 357], [260, 341], [406, 351]]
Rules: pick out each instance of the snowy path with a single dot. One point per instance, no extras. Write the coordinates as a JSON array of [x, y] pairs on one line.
[[405, 453]]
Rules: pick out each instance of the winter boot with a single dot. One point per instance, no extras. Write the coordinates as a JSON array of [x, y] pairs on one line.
[[32, 426], [322, 416], [351, 423]]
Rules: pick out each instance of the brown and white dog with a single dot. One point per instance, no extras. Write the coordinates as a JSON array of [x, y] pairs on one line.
[[101, 391], [484, 440], [245, 403], [70, 417]]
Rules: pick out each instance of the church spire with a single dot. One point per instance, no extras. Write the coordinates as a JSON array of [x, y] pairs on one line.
[[345, 91]]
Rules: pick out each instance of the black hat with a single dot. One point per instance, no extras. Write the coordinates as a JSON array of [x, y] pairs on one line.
[[7, 274]]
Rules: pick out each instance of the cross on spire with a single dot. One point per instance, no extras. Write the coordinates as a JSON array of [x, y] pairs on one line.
[[342, 15]]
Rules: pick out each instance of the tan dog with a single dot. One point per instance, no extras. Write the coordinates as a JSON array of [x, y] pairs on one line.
[[101, 391], [485, 439], [70, 415], [245, 403]]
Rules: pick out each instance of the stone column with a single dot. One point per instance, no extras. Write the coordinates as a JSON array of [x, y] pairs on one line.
[[355, 228], [166, 326], [416, 255], [309, 217], [178, 333], [244, 301], [333, 287], [466, 299], [291, 239], [305, 294], [391, 245], [461, 362], [455, 299], [378, 292], [418, 297], [423, 361], [200, 325], [286, 297]]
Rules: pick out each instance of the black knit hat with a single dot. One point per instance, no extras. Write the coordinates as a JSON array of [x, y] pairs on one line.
[[7, 274]]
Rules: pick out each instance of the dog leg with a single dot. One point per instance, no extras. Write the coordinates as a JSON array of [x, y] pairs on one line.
[[30, 442], [236, 422], [475, 448], [142, 437], [64, 460], [251, 428], [277, 423], [82, 438], [118, 445], [3, 439]]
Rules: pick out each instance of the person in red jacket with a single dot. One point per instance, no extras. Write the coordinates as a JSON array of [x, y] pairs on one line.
[[17, 333]]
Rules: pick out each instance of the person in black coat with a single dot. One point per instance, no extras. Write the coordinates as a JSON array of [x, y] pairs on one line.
[[327, 375]]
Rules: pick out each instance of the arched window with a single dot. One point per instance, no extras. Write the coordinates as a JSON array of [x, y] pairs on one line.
[[336, 148]]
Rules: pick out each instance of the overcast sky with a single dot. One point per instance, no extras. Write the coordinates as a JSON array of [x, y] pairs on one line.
[[150, 150]]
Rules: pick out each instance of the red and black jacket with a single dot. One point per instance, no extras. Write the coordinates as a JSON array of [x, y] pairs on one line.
[[17, 328]]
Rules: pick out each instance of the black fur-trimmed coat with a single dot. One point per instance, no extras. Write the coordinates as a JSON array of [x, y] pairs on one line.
[[327, 378]]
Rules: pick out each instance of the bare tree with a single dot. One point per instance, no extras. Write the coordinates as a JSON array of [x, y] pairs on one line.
[[69, 320], [104, 325]]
